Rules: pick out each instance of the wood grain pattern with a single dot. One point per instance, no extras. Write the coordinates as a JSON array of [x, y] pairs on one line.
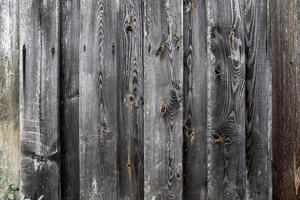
[[9, 94], [98, 114], [163, 79], [226, 108], [130, 90], [69, 98], [143, 99], [257, 101], [285, 61], [195, 100], [40, 149]]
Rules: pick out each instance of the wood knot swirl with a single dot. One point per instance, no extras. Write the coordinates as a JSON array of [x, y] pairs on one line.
[[218, 138], [178, 175], [104, 128], [130, 23], [163, 108], [226, 131], [131, 98]]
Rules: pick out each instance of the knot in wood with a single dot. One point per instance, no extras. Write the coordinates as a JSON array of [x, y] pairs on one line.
[[104, 129], [231, 35], [178, 175], [130, 23], [218, 138], [218, 71], [53, 51], [131, 98], [163, 108], [160, 49]]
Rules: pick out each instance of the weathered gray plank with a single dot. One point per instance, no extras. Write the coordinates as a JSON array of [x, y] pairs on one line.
[[98, 100], [130, 89], [226, 100], [163, 79], [9, 94], [285, 61], [39, 44], [195, 100], [69, 98], [257, 100]]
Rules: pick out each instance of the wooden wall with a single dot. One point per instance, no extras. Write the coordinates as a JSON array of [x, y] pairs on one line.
[[156, 100]]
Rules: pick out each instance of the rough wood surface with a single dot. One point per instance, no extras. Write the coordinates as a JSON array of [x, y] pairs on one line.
[[195, 100], [163, 79], [98, 114], [257, 101], [40, 152], [226, 109], [285, 61], [145, 99], [130, 90], [69, 98], [9, 94]]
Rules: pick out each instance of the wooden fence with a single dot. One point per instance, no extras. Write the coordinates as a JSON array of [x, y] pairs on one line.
[[150, 99]]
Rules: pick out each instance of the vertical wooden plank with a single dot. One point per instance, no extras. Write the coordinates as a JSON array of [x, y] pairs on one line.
[[226, 107], [130, 90], [40, 152], [195, 100], [69, 98], [285, 62], [163, 79], [257, 100], [9, 94], [98, 100]]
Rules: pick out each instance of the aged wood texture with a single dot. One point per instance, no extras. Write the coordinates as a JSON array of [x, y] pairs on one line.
[[163, 79], [130, 90], [9, 94], [257, 101], [285, 61], [69, 98], [195, 100], [98, 120], [39, 64], [226, 100]]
